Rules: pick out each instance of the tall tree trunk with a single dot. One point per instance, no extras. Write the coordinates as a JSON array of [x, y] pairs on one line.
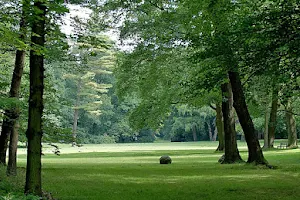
[[13, 114], [210, 134], [215, 132], [291, 126], [194, 132], [74, 130], [255, 154], [273, 118], [34, 132], [12, 156], [76, 113], [231, 151], [5, 134], [220, 127], [266, 138]]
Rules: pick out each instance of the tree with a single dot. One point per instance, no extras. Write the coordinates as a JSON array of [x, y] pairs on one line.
[[12, 115], [273, 118], [15, 87], [231, 151], [34, 132]]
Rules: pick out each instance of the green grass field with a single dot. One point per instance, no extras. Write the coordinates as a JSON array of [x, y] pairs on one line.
[[132, 171]]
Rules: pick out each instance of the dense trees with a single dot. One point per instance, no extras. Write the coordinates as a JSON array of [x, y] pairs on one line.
[[190, 71], [211, 39]]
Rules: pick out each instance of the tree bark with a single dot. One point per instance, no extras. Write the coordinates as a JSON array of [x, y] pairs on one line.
[[34, 132], [13, 114], [266, 138], [273, 119], [75, 122], [76, 113], [12, 156], [210, 134], [220, 127], [194, 132], [255, 154], [291, 126], [231, 151]]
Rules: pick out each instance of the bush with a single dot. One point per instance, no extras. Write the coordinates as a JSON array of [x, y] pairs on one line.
[[12, 187]]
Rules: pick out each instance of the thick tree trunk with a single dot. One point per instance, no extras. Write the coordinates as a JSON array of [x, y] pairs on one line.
[[220, 127], [13, 114], [266, 138], [291, 126], [255, 154], [231, 151], [273, 119], [34, 132], [194, 132], [12, 156]]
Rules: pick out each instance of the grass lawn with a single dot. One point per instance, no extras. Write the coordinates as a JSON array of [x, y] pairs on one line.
[[132, 171]]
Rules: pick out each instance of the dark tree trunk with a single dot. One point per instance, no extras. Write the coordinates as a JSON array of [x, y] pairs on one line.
[[5, 134], [220, 127], [231, 151], [291, 126], [273, 119], [13, 146], [194, 132], [34, 132], [266, 138], [74, 130], [255, 154], [75, 117], [13, 114]]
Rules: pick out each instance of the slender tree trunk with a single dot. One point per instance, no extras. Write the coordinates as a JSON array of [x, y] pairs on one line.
[[273, 118], [291, 126], [13, 146], [75, 118], [215, 132], [266, 138], [231, 151], [220, 127], [75, 122], [13, 114], [210, 134], [34, 132], [194, 132], [255, 154], [5, 134]]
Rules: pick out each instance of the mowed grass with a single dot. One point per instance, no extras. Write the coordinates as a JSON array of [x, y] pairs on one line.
[[132, 171]]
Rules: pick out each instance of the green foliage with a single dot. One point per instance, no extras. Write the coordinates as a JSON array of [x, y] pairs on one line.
[[11, 188]]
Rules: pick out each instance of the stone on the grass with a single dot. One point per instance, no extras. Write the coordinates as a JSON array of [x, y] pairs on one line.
[[165, 160]]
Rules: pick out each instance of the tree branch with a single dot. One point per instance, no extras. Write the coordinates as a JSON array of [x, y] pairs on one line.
[[288, 112]]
